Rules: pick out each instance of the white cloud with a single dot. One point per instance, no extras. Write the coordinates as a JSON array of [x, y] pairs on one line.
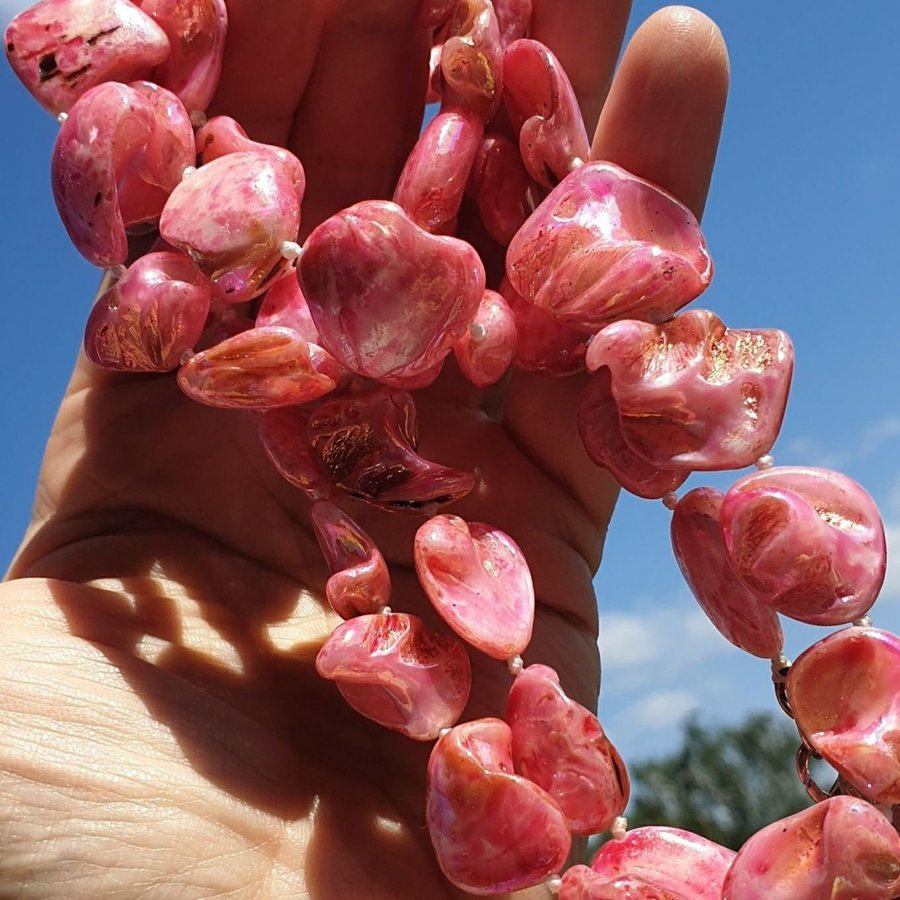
[[662, 710]]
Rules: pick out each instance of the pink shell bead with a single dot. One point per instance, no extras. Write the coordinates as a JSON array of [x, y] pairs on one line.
[[608, 245], [60, 49], [700, 551], [478, 580], [360, 583], [844, 692], [492, 830], [388, 298], [808, 542], [284, 434], [390, 668], [150, 317], [543, 107], [285, 305], [486, 348], [513, 19], [694, 394], [262, 368], [232, 217], [840, 849], [560, 746], [678, 864], [196, 30], [433, 181], [582, 883], [365, 442]]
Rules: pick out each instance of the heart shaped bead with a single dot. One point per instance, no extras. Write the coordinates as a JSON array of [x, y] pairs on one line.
[[232, 217], [479, 582], [486, 348], [560, 746], [699, 548], [360, 583], [284, 434], [694, 394], [607, 245], [678, 864], [844, 692], [150, 317], [60, 49], [492, 830], [390, 668], [262, 368], [840, 849], [808, 542], [388, 298]]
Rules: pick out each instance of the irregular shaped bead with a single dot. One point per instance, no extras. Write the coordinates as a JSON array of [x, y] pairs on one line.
[[284, 434], [601, 435], [542, 343], [608, 245], [680, 865], [472, 59], [583, 883], [844, 692], [285, 305], [431, 186], [196, 30], [840, 849], [150, 317], [360, 583], [560, 746], [388, 298], [492, 830], [513, 19], [478, 580], [365, 442], [390, 668], [262, 368], [694, 394], [118, 156], [700, 551], [231, 217], [544, 110], [505, 193], [60, 49], [486, 348], [808, 542]]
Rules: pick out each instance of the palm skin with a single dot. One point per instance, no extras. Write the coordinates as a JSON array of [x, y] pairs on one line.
[[164, 731]]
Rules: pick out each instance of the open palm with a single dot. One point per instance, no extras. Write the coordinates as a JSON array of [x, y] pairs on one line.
[[162, 729]]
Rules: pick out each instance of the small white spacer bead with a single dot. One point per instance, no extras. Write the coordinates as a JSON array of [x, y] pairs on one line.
[[669, 500], [619, 828], [780, 662], [186, 357], [444, 732], [62, 117], [765, 462], [515, 664], [291, 250], [577, 163], [384, 611], [198, 118], [863, 622], [554, 884], [477, 332], [188, 171]]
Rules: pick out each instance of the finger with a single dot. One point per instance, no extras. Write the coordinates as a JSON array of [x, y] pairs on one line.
[[363, 105], [586, 36], [664, 112]]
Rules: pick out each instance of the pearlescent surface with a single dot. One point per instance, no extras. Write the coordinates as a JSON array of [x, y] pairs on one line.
[[844, 692], [561, 746], [513, 19], [392, 669], [486, 347], [808, 542], [840, 849], [284, 434], [492, 830], [285, 305], [700, 551], [607, 245], [582, 883]]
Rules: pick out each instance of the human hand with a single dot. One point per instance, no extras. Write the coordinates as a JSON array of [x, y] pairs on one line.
[[166, 729]]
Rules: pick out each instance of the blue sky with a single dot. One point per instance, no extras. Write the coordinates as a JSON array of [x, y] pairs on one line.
[[803, 228]]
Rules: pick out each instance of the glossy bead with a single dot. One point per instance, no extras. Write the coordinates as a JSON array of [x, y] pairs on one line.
[[607, 245], [560, 746], [486, 347], [808, 542], [60, 49], [583, 883], [150, 317], [284, 434], [840, 849], [492, 830], [700, 551], [388, 298], [513, 19], [844, 692], [360, 583], [694, 394], [285, 305], [390, 668], [477, 579]]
